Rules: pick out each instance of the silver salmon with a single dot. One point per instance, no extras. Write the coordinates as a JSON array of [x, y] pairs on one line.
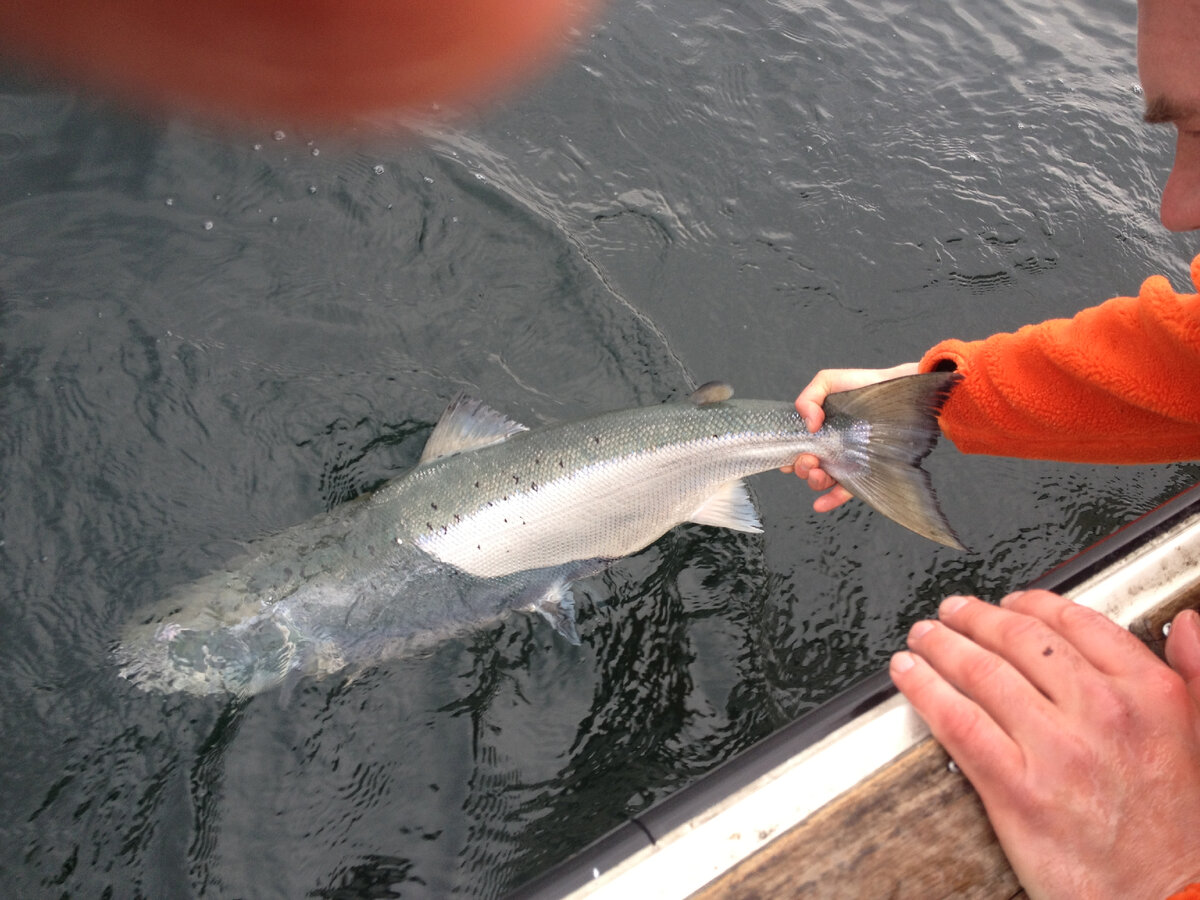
[[496, 517]]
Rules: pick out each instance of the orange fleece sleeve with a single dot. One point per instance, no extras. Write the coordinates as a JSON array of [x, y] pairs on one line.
[[1118, 383], [1191, 892]]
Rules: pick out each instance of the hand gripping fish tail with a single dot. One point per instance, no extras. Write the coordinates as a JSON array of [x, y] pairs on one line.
[[887, 431]]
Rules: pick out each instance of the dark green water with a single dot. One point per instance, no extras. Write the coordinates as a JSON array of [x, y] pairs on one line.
[[206, 337]]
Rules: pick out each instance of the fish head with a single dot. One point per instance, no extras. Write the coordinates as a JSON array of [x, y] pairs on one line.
[[174, 657], [213, 636]]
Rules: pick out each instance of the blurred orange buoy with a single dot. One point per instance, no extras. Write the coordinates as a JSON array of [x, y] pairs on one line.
[[320, 62]]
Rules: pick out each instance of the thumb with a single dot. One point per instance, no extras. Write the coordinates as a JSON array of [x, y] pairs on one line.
[[809, 403], [1183, 648]]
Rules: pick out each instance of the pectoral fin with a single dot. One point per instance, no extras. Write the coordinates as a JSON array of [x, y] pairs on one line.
[[557, 606], [729, 507]]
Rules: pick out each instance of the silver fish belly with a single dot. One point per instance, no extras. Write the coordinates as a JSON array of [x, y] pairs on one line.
[[496, 516]]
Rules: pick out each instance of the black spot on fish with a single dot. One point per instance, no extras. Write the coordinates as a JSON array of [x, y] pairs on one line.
[[517, 479], [477, 484], [434, 505], [533, 485], [456, 518], [429, 525], [595, 439], [560, 464]]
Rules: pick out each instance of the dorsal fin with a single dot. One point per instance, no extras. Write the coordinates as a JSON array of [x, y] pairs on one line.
[[467, 424], [711, 392]]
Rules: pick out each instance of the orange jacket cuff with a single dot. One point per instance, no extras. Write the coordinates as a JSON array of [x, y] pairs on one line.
[[1118, 383]]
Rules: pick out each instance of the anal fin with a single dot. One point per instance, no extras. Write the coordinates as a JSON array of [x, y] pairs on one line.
[[729, 507]]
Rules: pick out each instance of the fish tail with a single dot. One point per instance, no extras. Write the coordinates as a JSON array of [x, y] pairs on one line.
[[883, 464]]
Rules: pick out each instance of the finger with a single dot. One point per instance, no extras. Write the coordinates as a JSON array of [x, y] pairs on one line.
[[1018, 706], [820, 480], [832, 500], [811, 400], [1042, 656], [803, 464], [1104, 644], [809, 468], [982, 749], [809, 403], [1183, 648]]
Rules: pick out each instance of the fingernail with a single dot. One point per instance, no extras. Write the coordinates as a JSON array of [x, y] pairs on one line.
[[1011, 598], [951, 605], [919, 630], [902, 662]]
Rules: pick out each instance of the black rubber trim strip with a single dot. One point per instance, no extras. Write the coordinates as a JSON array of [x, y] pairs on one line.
[[1122, 542], [774, 750]]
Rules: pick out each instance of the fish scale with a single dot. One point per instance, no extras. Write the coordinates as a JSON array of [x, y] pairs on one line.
[[625, 478]]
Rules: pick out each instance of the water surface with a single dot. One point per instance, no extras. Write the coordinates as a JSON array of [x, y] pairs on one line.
[[206, 337]]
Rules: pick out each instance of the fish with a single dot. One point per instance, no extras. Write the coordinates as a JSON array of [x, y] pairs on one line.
[[497, 517]]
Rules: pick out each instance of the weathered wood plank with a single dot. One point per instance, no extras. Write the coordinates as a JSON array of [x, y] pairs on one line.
[[1151, 628], [913, 830]]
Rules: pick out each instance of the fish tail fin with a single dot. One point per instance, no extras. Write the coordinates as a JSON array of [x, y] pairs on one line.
[[890, 428]]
